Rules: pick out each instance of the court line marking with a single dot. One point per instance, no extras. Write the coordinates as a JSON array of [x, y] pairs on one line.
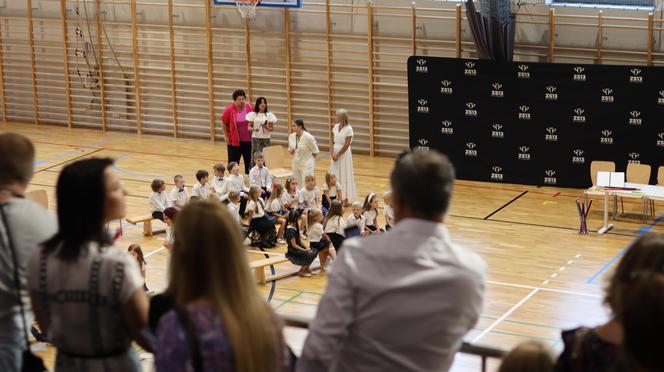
[[504, 316], [68, 161], [563, 291], [505, 205], [155, 251]]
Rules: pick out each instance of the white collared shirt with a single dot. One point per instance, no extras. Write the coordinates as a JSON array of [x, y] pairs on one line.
[[370, 217], [305, 147], [335, 224], [159, 201], [310, 197], [413, 278], [236, 183], [257, 208], [235, 211], [201, 191], [179, 197], [389, 215], [315, 232], [287, 199], [261, 177], [220, 187], [360, 222], [332, 190]]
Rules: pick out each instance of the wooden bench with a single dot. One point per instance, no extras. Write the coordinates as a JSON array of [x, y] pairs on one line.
[[259, 268], [147, 224]]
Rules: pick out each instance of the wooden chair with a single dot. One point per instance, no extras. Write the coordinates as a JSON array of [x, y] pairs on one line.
[[38, 196], [274, 159], [637, 173], [600, 166], [660, 176]]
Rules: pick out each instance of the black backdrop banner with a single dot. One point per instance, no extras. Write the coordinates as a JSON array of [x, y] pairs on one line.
[[536, 123]]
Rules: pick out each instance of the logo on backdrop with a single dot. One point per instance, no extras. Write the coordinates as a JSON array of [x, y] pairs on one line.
[[496, 90], [423, 144], [551, 93], [470, 69], [471, 109], [577, 157], [635, 77], [635, 118], [422, 106], [660, 139], [446, 127], [579, 115], [497, 131], [524, 153], [634, 158], [579, 74], [551, 134], [524, 113], [522, 72], [446, 87], [471, 149], [550, 177], [606, 138], [660, 99], [497, 173], [607, 95], [421, 66]]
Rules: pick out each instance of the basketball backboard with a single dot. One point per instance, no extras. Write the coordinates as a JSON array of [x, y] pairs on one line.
[[266, 3]]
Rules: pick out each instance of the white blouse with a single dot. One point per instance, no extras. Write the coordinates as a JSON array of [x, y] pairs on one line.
[[159, 201], [236, 183], [332, 189], [335, 224], [305, 147], [341, 135], [259, 121], [252, 206], [287, 199], [310, 197], [315, 233]]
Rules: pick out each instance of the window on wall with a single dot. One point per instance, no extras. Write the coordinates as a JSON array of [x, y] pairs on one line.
[[609, 3]]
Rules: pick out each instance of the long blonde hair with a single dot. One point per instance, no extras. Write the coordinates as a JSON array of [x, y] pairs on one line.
[[209, 261], [342, 113]]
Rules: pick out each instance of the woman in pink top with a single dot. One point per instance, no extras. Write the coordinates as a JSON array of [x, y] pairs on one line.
[[236, 131]]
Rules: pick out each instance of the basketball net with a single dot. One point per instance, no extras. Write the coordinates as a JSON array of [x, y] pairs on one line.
[[247, 8]]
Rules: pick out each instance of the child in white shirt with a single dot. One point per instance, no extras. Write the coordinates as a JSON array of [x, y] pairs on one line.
[[317, 238], [259, 219], [201, 189], [357, 218], [179, 194], [331, 191], [275, 209], [292, 198], [260, 176], [370, 213], [310, 193], [235, 182], [234, 200], [219, 183], [388, 210], [158, 200], [335, 225]]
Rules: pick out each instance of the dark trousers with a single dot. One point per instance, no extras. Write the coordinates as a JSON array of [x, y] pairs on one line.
[[265, 194], [158, 215], [243, 207], [336, 239], [243, 151]]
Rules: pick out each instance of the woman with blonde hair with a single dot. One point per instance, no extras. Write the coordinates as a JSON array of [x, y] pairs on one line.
[[220, 322], [528, 356], [342, 157]]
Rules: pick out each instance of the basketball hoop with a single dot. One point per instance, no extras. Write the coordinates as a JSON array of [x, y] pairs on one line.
[[247, 8]]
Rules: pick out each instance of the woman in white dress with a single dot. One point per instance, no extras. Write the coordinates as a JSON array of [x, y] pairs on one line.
[[342, 157], [261, 124], [88, 295], [302, 145]]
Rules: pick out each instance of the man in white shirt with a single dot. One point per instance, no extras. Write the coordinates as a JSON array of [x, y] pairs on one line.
[[29, 225], [260, 176], [402, 300]]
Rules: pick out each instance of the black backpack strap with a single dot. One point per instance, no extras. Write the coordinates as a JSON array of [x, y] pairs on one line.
[[192, 340]]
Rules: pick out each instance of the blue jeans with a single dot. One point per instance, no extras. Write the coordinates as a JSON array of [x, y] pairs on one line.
[[11, 349]]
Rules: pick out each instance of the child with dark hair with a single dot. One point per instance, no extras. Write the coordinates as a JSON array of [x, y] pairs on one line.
[[170, 215], [135, 251], [335, 224], [259, 220], [158, 200], [298, 254], [318, 240], [201, 189], [370, 213]]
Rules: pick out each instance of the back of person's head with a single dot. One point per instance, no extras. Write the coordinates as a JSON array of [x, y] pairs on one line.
[[294, 218], [234, 196], [645, 255], [171, 213], [529, 356], [17, 157], [312, 215], [209, 261], [643, 321], [84, 204], [201, 174], [156, 185], [336, 209], [422, 182]]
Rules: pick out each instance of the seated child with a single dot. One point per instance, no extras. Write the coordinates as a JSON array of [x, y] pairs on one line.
[[331, 191], [274, 209], [201, 189], [219, 183], [334, 224], [236, 183], [260, 176], [158, 200], [388, 211], [179, 194], [318, 240], [528, 356], [310, 193], [170, 215], [297, 253], [292, 197], [136, 251], [357, 218], [233, 206], [370, 213], [256, 213]]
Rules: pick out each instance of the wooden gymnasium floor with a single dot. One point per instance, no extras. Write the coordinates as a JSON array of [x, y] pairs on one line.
[[543, 276]]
